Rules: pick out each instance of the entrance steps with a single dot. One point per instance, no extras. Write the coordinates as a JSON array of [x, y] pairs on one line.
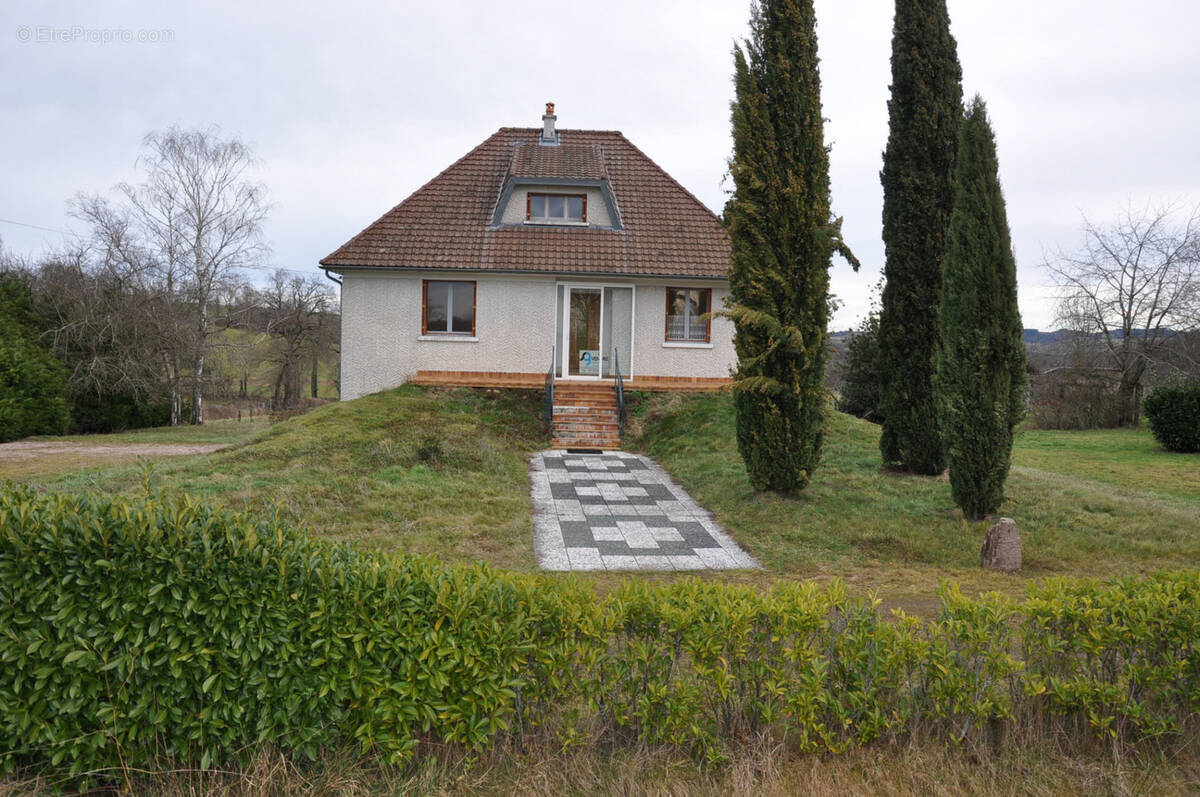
[[585, 416]]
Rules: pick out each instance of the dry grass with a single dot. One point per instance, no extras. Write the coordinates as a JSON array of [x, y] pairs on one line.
[[758, 771]]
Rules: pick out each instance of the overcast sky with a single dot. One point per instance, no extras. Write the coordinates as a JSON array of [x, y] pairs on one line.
[[352, 106]]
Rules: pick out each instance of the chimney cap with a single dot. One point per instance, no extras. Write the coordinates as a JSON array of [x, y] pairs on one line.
[[549, 109]]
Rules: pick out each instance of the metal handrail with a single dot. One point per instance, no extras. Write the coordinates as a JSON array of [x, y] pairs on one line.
[[619, 386], [550, 389]]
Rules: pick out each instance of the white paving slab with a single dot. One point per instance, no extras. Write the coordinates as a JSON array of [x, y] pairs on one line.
[[620, 511]]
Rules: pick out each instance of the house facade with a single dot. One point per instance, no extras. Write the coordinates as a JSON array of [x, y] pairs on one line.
[[541, 252]]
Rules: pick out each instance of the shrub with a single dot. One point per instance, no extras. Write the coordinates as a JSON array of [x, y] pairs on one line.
[[1174, 417], [96, 414], [158, 633], [862, 387], [33, 388], [144, 630], [1074, 398], [1121, 654]]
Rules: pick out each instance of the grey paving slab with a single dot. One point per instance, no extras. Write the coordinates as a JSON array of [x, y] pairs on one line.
[[620, 511]]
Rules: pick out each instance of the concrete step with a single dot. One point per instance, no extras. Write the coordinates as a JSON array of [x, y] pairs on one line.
[[586, 412], [586, 438], [600, 401], [609, 434], [586, 416], [591, 393], [605, 429]]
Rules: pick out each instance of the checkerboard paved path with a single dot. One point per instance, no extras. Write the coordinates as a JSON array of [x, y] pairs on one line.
[[619, 511]]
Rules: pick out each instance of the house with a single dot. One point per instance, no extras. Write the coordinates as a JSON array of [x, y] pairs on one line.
[[541, 256]]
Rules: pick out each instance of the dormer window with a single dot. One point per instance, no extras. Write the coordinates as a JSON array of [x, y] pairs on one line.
[[556, 208]]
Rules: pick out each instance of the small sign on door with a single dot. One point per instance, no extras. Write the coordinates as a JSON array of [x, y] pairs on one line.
[[589, 361]]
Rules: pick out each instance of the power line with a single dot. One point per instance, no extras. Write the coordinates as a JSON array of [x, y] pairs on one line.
[[34, 226]]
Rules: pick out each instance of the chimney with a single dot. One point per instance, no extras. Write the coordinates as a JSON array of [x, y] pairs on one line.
[[549, 136]]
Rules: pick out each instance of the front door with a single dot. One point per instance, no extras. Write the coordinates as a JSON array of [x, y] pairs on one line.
[[584, 343]]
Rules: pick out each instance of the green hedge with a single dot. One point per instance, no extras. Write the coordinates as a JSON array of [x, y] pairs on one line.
[[154, 632], [1174, 416]]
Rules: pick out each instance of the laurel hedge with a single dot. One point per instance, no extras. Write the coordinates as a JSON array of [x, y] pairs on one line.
[[156, 632]]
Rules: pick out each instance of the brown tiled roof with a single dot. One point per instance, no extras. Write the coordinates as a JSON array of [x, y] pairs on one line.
[[447, 223], [580, 161]]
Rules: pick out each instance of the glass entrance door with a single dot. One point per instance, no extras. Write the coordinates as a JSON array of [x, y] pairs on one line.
[[584, 342]]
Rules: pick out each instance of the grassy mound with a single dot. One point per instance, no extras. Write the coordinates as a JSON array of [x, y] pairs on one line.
[[413, 470]]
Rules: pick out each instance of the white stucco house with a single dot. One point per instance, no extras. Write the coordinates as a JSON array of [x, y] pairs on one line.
[[540, 253]]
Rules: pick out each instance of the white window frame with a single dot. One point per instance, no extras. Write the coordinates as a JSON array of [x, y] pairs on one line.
[[687, 339], [532, 219], [449, 333], [564, 358]]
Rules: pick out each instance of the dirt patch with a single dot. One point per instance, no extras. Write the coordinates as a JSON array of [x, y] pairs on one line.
[[24, 451]]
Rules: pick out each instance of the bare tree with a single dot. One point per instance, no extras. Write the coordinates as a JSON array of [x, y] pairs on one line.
[[105, 326], [141, 308], [189, 228], [1133, 286], [297, 314]]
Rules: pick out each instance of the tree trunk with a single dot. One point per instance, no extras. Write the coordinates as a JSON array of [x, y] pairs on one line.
[[1129, 394], [315, 383], [198, 369], [290, 385], [278, 387], [173, 385]]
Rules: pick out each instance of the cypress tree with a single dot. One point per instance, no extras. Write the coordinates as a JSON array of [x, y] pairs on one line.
[[981, 361], [782, 238], [864, 372], [918, 169]]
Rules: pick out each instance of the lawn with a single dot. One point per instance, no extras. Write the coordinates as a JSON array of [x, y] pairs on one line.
[[442, 472], [1130, 460], [900, 534]]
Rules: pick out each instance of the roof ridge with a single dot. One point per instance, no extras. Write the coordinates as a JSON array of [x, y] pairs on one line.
[[411, 195], [560, 130], [612, 188]]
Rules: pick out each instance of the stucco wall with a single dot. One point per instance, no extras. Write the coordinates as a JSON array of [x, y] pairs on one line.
[[382, 346], [381, 330], [654, 357], [597, 210]]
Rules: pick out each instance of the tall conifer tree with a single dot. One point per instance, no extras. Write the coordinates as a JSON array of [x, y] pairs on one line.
[[918, 169], [981, 364], [782, 238]]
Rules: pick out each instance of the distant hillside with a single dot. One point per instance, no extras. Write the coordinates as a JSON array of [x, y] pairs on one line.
[[1037, 336]]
